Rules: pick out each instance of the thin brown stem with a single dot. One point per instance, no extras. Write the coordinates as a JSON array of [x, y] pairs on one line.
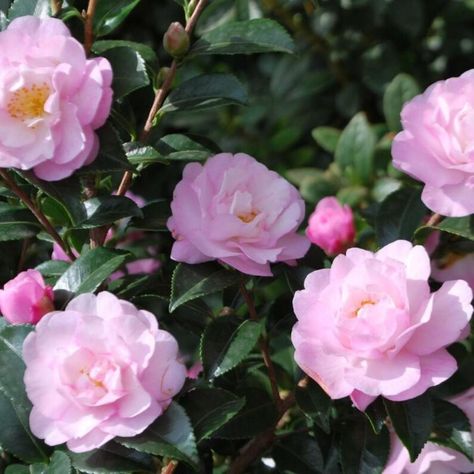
[[42, 219], [170, 467], [434, 220], [89, 25], [264, 346], [56, 6]]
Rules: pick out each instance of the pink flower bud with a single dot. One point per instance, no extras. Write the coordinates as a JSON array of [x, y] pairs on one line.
[[331, 226], [176, 40], [26, 298]]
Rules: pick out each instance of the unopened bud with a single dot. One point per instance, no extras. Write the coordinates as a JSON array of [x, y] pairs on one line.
[[176, 40]]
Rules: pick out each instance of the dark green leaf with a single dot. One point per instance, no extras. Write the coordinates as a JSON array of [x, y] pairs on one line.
[[327, 138], [155, 215], [399, 215], [210, 408], [355, 149], [315, 403], [194, 281], [179, 147], [108, 209], [19, 8], [17, 223], [129, 70], [244, 37], [461, 226], [298, 453], [112, 459], [110, 14], [402, 88], [88, 272], [226, 342], [171, 435], [145, 51], [413, 421], [143, 155], [52, 270], [204, 92], [363, 451], [452, 428]]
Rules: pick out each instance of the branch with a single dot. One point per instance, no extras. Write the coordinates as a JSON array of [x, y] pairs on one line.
[[89, 25], [160, 96], [42, 219], [434, 220], [170, 467], [56, 6]]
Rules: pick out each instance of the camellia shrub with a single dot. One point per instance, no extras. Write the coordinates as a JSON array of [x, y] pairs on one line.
[[236, 236]]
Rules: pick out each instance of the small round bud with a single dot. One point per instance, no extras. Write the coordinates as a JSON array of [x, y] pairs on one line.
[[176, 40]]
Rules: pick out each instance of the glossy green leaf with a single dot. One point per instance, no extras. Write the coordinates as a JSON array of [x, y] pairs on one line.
[[178, 147], [145, 51], [315, 403], [226, 342], [194, 281], [41, 8], [244, 37], [143, 155], [171, 435], [460, 226], [413, 422], [88, 272], [155, 216], [327, 138], [17, 223], [110, 14], [204, 92]]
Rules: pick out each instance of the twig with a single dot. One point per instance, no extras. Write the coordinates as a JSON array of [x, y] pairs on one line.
[[170, 467], [56, 6], [434, 220], [89, 25], [160, 96], [264, 348], [42, 219]]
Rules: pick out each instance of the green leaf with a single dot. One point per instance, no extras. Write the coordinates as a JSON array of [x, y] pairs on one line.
[[399, 215], [146, 52], [298, 453], [171, 435], [17, 223], [155, 216], [244, 37], [363, 451], [112, 458], [315, 403], [327, 138], [194, 281], [143, 155], [110, 14], [178, 147], [107, 210], [59, 464], [129, 70], [15, 435], [402, 89], [39, 8], [460, 226], [87, 273], [226, 342], [413, 422], [452, 428], [355, 149], [204, 92]]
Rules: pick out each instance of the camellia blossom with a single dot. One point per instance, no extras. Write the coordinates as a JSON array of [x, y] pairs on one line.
[[331, 226], [235, 209], [433, 457], [99, 369], [26, 298], [52, 98], [436, 145], [369, 326]]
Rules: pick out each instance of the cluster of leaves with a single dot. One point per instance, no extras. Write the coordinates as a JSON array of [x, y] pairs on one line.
[[324, 118]]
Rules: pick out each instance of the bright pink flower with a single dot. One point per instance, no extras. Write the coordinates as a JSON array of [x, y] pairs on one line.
[[236, 210], [433, 458], [437, 144], [331, 226], [26, 298], [369, 326], [51, 98], [99, 369]]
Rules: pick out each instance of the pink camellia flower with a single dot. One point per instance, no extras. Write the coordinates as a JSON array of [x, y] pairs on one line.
[[236, 210], [436, 145], [51, 98], [141, 266], [99, 369], [369, 326], [26, 298], [331, 226], [433, 458]]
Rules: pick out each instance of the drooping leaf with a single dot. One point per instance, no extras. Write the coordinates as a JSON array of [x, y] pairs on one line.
[[204, 92], [110, 14], [244, 37], [194, 281]]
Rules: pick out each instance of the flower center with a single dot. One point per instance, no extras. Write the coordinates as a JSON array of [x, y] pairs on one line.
[[362, 304], [247, 217], [28, 102], [95, 382]]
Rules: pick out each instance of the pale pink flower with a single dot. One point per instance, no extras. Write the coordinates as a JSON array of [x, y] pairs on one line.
[[436, 145], [369, 326], [52, 98], [99, 369], [26, 298], [433, 459], [141, 266], [331, 226], [236, 210]]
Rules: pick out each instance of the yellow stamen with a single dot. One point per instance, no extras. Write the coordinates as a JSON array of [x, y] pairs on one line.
[[247, 217], [28, 102]]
